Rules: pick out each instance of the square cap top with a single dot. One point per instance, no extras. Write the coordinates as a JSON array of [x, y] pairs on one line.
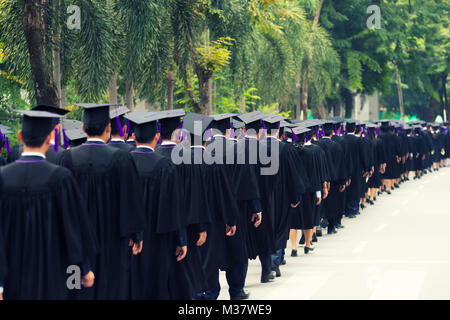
[[177, 113], [118, 111], [237, 124], [196, 123], [96, 105], [38, 114], [70, 124], [140, 117], [273, 118], [75, 134], [220, 117], [47, 108], [300, 130], [248, 118]]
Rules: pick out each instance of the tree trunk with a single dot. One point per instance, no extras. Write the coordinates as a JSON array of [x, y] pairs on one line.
[[170, 88], [305, 87], [63, 97], [191, 94], [56, 59], [112, 89], [243, 106], [400, 95], [214, 96], [298, 105], [204, 78], [129, 94], [34, 26], [305, 78]]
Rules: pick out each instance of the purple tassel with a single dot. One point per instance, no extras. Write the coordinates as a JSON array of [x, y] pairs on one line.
[[365, 134], [342, 128], [128, 127], [159, 131], [317, 133], [7, 145], [323, 132], [307, 136], [119, 127], [232, 135], [335, 130], [207, 134], [294, 135], [180, 136], [56, 146], [66, 140]]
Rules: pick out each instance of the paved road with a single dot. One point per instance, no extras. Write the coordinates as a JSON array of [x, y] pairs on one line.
[[397, 249]]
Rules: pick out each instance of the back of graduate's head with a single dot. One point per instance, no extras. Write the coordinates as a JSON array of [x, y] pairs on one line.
[[350, 127], [146, 133], [36, 130], [114, 125]]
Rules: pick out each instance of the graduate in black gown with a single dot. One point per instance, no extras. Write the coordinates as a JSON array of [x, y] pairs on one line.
[[393, 153], [304, 216], [110, 185], [3, 264], [75, 137], [4, 142], [217, 253], [379, 160], [360, 169], [338, 176], [54, 151], [119, 129], [150, 271], [188, 275], [43, 220]]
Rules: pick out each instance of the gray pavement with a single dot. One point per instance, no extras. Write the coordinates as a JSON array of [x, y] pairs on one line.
[[397, 249]]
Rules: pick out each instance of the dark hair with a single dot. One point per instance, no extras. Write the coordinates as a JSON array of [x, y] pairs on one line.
[[350, 127], [328, 131], [95, 130], [166, 135], [33, 142], [114, 128], [145, 140]]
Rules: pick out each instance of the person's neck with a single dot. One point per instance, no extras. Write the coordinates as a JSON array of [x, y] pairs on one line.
[[42, 150], [149, 145], [103, 138], [117, 137], [169, 141]]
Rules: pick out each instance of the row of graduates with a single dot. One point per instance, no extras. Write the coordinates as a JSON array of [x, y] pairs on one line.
[[184, 221]]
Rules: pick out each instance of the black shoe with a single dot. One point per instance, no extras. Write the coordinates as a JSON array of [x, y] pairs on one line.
[[352, 216], [243, 295], [331, 230], [388, 192], [268, 278], [319, 232], [362, 206], [277, 271], [302, 240], [294, 253], [397, 186], [358, 213], [307, 250], [283, 262], [375, 199], [339, 226], [314, 238], [370, 202]]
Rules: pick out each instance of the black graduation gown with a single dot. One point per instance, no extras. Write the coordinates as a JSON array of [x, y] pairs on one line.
[[122, 146], [220, 251], [3, 261], [289, 190], [368, 152], [3, 161], [360, 164], [150, 271], [188, 275], [338, 178], [108, 179], [346, 170], [44, 223], [246, 190], [303, 217], [379, 158], [51, 155]]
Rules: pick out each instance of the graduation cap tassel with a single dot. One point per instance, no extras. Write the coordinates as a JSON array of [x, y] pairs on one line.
[[180, 136], [119, 127], [294, 135], [207, 134], [232, 135], [335, 130], [56, 146], [323, 132], [7, 145], [128, 127], [307, 137], [159, 131], [317, 133], [365, 134], [66, 140]]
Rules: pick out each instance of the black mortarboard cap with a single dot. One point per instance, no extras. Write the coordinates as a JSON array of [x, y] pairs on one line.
[[252, 120], [196, 124], [146, 123], [96, 114], [76, 137], [37, 124], [221, 122], [55, 110], [171, 121]]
